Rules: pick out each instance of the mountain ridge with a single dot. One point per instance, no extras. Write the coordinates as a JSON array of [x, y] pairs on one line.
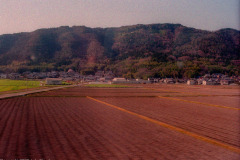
[[83, 48]]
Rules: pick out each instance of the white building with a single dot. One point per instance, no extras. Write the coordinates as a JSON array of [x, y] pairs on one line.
[[53, 81], [119, 80]]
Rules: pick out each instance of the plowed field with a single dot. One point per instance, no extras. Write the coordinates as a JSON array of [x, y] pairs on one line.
[[149, 122]]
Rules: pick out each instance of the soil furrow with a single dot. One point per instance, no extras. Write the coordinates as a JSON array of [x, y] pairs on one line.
[[118, 137], [35, 144], [76, 131], [66, 110], [12, 129], [6, 116], [85, 123], [45, 132], [21, 142], [52, 116]]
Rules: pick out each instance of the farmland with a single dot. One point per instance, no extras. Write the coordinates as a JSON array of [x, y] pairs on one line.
[[12, 85], [138, 122]]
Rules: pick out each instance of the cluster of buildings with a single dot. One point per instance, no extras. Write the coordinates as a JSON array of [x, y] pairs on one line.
[[214, 79], [56, 77]]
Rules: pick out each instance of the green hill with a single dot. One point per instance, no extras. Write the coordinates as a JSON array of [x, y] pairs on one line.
[[133, 51]]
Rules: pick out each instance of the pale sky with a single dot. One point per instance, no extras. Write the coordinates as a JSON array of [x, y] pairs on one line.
[[29, 15]]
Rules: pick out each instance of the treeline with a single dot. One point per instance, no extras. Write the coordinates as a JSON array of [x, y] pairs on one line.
[[140, 68]]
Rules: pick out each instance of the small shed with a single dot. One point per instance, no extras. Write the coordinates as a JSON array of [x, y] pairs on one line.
[[53, 81]]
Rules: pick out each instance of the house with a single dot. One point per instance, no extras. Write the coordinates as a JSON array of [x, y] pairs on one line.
[[119, 80], [191, 82], [89, 78], [3, 76], [108, 78], [218, 75], [102, 79], [200, 81], [63, 74], [129, 81], [77, 76], [169, 81], [207, 76], [70, 71], [151, 80], [53, 74], [68, 79], [109, 74], [179, 81], [142, 81], [99, 73], [216, 81], [53, 81], [41, 75], [226, 81], [208, 82], [14, 76]]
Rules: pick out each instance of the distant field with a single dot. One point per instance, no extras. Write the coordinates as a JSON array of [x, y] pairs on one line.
[[11, 85], [106, 86]]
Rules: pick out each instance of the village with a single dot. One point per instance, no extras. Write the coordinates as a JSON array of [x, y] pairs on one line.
[[72, 77]]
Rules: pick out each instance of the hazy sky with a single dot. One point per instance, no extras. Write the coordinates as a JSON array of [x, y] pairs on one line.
[[29, 15]]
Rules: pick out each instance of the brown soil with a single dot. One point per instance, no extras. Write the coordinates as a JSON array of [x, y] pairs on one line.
[[43, 127]]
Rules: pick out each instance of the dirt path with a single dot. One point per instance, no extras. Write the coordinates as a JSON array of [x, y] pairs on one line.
[[9, 95]]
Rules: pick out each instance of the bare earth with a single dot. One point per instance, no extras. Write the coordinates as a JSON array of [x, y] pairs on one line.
[[147, 122]]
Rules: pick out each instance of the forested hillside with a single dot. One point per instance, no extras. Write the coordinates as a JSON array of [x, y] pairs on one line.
[[139, 51]]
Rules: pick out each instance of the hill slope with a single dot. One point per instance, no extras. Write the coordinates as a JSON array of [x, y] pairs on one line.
[[135, 49]]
